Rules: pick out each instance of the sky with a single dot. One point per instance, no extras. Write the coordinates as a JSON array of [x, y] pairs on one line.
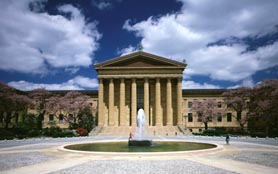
[[55, 43]]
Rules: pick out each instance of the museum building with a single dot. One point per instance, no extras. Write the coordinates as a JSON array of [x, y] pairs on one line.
[[154, 83]]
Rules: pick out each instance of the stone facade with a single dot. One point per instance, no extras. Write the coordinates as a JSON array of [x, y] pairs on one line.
[[140, 80]]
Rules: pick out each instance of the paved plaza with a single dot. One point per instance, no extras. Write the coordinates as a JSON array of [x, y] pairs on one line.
[[41, 155]]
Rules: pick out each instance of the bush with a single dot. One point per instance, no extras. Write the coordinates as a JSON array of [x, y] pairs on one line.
[[6, 134], [56, 131], [258, 134], [82, 132], [33, 133], [68, 133], [53, 131]]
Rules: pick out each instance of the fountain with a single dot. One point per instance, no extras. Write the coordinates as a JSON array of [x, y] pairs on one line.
[[138, 143], [137, 139]]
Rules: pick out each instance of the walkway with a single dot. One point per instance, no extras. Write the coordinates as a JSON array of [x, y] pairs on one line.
[[41, 156]]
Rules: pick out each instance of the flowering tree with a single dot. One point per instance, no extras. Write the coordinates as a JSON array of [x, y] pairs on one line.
[[264, 102], [12, 103], [69, 105], [238, 100], [206, 110], [73, 102], [40, 97]]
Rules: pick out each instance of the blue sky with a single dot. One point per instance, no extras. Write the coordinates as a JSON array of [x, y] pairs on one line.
[[54, 44]]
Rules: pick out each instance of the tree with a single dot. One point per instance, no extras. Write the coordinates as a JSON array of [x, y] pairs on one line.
[[12, 103], [86, 119], [40, 97], [263, 106], [237, 99], [69, 105], [206, 110], [73, 102]]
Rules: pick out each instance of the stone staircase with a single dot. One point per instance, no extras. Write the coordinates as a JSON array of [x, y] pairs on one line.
[[151, 131]]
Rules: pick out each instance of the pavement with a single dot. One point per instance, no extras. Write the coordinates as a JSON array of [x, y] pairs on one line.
[[44, 155]]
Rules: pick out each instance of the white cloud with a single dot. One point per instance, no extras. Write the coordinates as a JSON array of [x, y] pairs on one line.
[[125, 51], [31, 41], [186, 34], [103, 5], [194, 85], [77, 83]]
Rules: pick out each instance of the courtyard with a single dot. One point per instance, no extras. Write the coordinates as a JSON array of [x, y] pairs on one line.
[[41, 155]]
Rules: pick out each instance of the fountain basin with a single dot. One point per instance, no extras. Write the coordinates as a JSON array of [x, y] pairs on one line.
[[139, 143], [122, 148]]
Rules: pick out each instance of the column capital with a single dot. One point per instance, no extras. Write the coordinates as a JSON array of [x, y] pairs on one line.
[[179, 78]]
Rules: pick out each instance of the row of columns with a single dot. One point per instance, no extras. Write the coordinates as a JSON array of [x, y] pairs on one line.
[[123, 116]]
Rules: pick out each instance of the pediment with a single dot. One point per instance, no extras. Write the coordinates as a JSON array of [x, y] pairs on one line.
[[139, 60]]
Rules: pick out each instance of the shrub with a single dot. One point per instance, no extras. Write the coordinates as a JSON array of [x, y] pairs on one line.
[[82, 131], [6, 134], [53, 131]]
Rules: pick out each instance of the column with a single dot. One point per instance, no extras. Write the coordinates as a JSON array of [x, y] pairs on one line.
[[133, 102], [179, 101], [100, 103], [146, 100], [158, 116], [123, 121], [169, 103], [111, 103]]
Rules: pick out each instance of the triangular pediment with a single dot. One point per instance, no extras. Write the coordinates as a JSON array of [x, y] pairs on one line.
[[139, 59]]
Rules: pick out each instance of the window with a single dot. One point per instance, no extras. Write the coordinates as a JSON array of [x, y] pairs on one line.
[[209, 119], [61, 118], [189, 104], [238, 116], [1, 117], [51, 117], [219, 104], [229, 117], [70, 117], [190, 117], [248, 104], [229, 105], [219, 117], [16, 117], [199, 117]]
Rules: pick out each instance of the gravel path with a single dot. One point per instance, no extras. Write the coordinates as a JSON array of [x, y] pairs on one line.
[[14, 160], [19, 153], [142, 167], [269, 159]]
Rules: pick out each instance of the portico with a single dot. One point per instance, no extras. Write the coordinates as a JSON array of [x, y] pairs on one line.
[[140, 80]]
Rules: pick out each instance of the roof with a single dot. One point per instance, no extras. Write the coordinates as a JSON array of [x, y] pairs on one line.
[[203, 92], [139, 59]]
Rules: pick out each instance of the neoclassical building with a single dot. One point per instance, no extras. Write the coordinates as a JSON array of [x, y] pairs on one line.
[[154, 83], [140, 80]]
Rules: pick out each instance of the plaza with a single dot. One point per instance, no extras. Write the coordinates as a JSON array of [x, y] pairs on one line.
[[42, 155]]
